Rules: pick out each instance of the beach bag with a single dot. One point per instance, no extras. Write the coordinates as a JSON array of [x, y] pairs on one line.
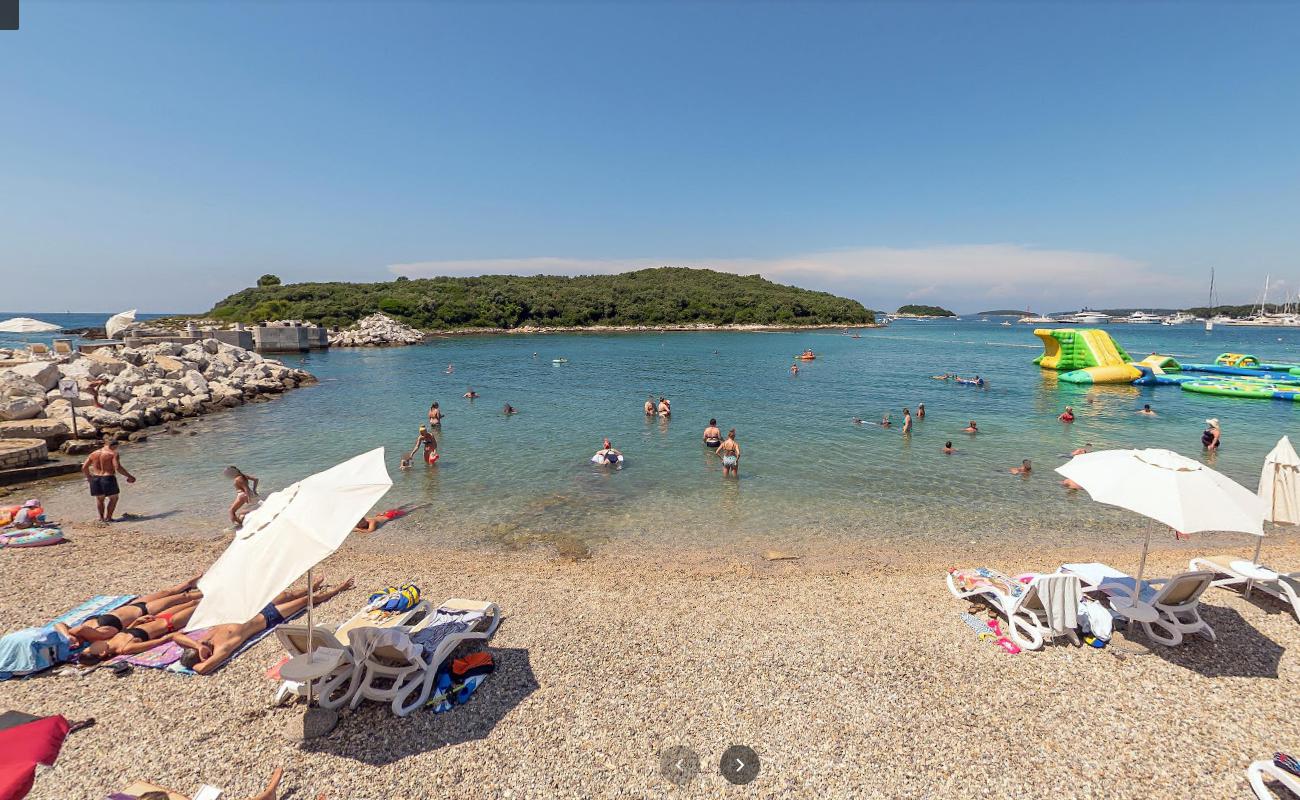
[[396, 598], [1095, 619]]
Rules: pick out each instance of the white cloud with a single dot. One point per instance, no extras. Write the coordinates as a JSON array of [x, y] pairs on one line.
[[961, 276]]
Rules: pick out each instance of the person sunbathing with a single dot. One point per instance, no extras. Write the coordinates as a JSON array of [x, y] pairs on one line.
[[372, 524], [141, 610], [139, 637], [204, 657]]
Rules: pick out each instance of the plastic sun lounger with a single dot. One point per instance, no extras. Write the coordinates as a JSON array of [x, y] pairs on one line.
[[1175, 600], [1259, 770], [395, 670], [1285, 586], [375, 618], [1020, 603], [294, 640]]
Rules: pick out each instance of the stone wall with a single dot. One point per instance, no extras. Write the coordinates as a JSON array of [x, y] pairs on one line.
[[16, 453]]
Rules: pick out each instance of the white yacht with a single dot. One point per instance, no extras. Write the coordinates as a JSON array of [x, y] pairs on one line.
[[1142, 318], [1181, 318], [1091, 318]]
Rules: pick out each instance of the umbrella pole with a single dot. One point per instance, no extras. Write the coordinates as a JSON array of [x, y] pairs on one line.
[[1142, 566], [311, 629]]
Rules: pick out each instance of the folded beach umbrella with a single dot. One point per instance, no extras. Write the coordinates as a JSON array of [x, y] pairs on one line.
[[1182, 493], [1279, 483], [118, 323], [292, 531], [28, 325]]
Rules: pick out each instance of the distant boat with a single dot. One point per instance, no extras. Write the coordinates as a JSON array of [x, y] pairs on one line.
[[1091, 318], [1142, 318], [1033, 320], [559, 360], [1181, 318], [1209, 322], [1007, 324]]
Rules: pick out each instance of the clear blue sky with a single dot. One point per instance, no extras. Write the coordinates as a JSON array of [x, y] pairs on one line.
[[163, 155]]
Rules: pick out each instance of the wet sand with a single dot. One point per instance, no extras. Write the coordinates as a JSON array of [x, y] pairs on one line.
[[848, 671]]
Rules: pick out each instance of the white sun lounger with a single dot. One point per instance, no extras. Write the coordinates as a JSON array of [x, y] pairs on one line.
[[393, 667], [294, 640], [1258, 771], [1285, 586], [1033, 611], [1173, 603]]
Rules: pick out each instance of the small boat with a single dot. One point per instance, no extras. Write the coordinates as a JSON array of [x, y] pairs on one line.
[[806, 355], [1006, 324], [559, 360]]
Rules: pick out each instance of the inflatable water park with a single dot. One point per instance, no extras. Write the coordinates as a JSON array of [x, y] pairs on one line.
[[1091, 355]]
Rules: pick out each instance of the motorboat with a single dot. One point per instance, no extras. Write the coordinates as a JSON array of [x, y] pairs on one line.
[[1091, 318], [1036, 320], [1181, 318], [1143, 318]]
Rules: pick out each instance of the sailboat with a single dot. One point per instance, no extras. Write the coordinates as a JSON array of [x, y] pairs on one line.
[[1209, 314]]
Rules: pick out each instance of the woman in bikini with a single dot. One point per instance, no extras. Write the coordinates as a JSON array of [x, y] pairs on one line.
[[245, 493], [145, 609], [729, 452], [139, 637], [712, 435]]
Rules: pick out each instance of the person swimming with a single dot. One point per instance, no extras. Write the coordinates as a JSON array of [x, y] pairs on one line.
[[884, 421], [794, 369], [450, 369], [1078, 451], [1146, 409], [1067, 415], [712, 435], [608, 455], [470, 393], [948, 449], [971, 428], [509, 409], [1024, 469]]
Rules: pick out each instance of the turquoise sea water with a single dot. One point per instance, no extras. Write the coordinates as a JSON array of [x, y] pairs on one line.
[[807, 471]]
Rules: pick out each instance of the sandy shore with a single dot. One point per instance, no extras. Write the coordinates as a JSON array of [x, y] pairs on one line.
[[848, 672]]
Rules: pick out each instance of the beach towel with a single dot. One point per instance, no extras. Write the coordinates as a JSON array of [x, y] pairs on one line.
[[985, 578], [457, 682], [32, 650], [167, 656], [1095, 619], [25, 746], [1060, 596], [442, 624]]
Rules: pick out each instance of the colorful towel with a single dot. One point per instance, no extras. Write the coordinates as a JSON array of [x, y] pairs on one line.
[[99, 604], [456, 683], [985, 578], [167, 656]]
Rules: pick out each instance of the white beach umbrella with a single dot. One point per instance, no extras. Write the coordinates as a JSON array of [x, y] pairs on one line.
[[1182, 493], [1279, 487], [1279, 483], [119, 322], [292, 531], [28, 325]]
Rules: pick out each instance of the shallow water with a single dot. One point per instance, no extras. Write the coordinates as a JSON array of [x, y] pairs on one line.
[[807, 471]]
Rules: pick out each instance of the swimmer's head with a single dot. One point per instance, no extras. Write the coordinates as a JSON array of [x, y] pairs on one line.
[[423, 429], [713, 422]]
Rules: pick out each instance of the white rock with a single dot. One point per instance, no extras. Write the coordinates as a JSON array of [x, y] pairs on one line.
[[194, 382], [14, 385], [21, 408], [43, 372]]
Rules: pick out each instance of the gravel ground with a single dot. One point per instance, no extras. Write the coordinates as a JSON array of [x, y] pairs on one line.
[[848, 672]]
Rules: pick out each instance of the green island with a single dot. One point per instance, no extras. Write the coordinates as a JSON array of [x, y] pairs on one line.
[[663, 296], [924, 311]]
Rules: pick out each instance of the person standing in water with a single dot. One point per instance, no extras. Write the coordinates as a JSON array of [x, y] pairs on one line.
[[1067, 415], [665, 407], [729, 452], [794, 369], [245, 493], [101, 469], [1023, 470], [1210, 437], [712, 436], [920, 411], [971, 428], [435, 415], [430, 445], [650, 405], [907, 420], [1146, 410], [948, 449]]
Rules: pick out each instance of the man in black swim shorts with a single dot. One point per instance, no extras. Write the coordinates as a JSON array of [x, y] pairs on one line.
[[101, 469]]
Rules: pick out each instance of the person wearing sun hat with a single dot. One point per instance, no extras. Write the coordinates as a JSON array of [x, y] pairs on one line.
[[29, 515], [1210, 437]]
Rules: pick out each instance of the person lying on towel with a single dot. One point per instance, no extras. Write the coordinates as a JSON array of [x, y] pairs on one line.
[[204, 657]]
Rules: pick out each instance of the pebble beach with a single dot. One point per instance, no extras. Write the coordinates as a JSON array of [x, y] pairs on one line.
[[847, 670]]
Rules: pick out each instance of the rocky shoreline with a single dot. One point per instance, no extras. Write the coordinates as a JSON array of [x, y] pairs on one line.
[[123, 389], [376, 330]]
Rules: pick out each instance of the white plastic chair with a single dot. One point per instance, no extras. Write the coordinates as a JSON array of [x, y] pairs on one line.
[[1285, 586], [327, 689], [1027, 615], [1259, 770], [393, 668]]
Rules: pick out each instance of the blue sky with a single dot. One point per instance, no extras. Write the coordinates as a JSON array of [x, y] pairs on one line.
[[163, 155]]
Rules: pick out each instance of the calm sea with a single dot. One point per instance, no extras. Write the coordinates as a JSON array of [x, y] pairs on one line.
[[807, 473]]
